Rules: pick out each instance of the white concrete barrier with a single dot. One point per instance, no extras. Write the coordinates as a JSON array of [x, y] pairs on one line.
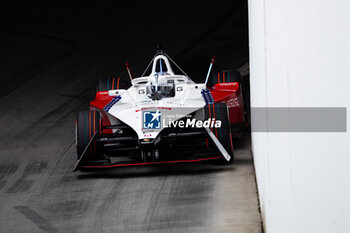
[[300, 57]]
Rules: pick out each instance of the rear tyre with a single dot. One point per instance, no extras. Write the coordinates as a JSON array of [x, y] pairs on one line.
[[218, 111], [230, 77], [106, 84], [225, 77], [88, 122]]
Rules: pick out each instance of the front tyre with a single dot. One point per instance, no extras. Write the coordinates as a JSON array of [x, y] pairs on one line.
[[87, 123], [218, 111]]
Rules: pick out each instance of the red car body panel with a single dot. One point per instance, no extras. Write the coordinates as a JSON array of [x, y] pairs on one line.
[[231, 94]]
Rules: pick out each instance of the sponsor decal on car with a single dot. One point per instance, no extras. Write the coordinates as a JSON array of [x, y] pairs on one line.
[[151, 119], [233, 103]]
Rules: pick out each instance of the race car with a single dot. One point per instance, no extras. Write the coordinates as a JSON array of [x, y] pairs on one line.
[[162, 117]]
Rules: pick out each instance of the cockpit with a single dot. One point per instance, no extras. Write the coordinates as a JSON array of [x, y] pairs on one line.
[[160, 91]]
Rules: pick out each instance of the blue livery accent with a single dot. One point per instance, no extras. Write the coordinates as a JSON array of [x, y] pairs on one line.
[[208, 98], [111, 103]]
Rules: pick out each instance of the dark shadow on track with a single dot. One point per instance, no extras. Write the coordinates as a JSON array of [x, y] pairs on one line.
[[151, 171]]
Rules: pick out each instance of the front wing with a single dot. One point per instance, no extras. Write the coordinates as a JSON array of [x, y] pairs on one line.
[[105, 162]]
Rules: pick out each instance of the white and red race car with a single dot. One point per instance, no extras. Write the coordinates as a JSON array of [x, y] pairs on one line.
[[163, 117]]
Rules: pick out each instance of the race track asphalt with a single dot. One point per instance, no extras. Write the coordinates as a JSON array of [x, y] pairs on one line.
[[50, 64]]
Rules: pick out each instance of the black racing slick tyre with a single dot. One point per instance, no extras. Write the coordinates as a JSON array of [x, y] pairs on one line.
[[87, 123], [106, 84], [234, 76], [218, 111], [225, 77]]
